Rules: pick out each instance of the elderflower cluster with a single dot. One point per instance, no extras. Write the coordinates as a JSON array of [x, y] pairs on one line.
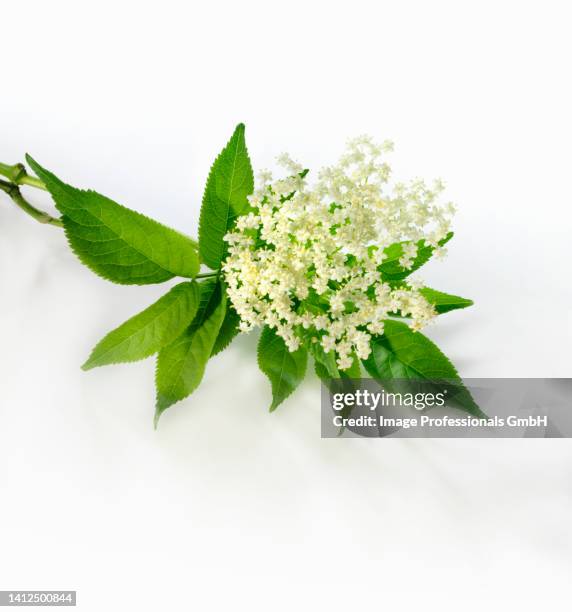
[[305, 261]]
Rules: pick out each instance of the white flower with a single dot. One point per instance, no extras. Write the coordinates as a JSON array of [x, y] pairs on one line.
[[312, 273], [328, 343]]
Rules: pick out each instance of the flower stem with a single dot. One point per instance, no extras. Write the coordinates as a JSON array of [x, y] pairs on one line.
[[14, 192]]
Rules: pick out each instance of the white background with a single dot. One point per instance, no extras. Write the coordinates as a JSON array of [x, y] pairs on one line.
[[226, 506]]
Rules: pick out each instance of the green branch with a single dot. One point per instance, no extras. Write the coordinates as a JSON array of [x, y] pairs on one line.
[[14, 192], [17, 175]]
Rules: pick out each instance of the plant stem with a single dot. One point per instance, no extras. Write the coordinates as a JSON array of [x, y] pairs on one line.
[[207, 274], [39, 215], [17, 174]]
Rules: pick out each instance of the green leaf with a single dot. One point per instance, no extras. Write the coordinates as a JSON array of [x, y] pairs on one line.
[[328, 373], [336, 380], [228, 331], [402, 355], [284, 369], [444, 302], [117, 243], [324, 363], [229, 182], [150, 330], [181, 364], [392, 270]]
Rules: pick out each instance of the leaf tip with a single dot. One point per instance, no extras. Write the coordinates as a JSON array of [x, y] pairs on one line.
[[162, 403], [32, 162], [88, 365]]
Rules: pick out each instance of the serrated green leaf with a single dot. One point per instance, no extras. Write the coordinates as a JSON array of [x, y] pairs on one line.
[[228, 331], [117, 243], [229, 182], [392, 270], [402, 355], [150, 330], [444, 302], [284, 369], [181, 364]]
